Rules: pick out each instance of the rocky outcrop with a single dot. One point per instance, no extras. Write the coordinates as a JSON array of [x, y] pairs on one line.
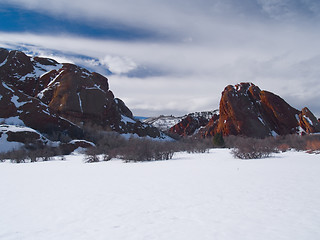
[[19, 109], [248, 111], [12, 137], [54, 98], [188, 125], [77, 94], [308, 121], [210, 128], [191, 123], [75, 144]]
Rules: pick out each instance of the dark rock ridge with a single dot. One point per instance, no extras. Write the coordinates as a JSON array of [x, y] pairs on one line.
[[192, 122], [246, 110], [55, 98], [164, 123]]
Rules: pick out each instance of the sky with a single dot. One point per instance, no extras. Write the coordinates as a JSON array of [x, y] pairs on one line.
[[174, 57]]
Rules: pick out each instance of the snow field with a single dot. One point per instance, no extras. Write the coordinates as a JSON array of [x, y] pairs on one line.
[[193, 196]]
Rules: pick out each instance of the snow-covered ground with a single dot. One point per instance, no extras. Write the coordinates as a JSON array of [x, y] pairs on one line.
[[196, 196]]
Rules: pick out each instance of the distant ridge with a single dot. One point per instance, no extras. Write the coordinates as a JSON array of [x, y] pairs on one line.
[[164, 123]]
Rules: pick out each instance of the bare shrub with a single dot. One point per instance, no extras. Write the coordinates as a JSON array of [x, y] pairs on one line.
[[106, 157], [45, 154], [294, 141], [298, 142], [112, 145], [231, 141], [194, 145], [18, 156], [3, 157], [283, 147], [251, 148], [33, 156], [91, 155], [146, 150], [313, 145], [94, 132], [91, 158], [30, 155], [109, 141]]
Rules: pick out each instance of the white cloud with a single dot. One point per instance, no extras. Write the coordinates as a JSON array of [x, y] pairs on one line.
[[117, 64]]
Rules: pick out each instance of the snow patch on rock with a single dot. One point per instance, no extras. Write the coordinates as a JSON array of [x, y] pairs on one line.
[[6, 146], [12, 121]]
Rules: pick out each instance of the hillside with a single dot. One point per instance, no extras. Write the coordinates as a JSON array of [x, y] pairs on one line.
[[59, 100]]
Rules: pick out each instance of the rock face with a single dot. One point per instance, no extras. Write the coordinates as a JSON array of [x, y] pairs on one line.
[[188, 125], [17, 108], [246, 110], [210, 128], [308, 121], [56, 98]]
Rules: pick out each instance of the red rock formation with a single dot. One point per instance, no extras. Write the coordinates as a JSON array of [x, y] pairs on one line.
[[248, 111], [210, 128], [65, 90], [17, 108], [308, 121], [239, 112], [188, 125], [76, 93]]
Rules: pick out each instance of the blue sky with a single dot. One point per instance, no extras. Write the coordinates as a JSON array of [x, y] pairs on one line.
[[175, 57], [17, 19]]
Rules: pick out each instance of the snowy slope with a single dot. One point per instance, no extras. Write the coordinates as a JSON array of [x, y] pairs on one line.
[[163, 123], [201, 196]]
